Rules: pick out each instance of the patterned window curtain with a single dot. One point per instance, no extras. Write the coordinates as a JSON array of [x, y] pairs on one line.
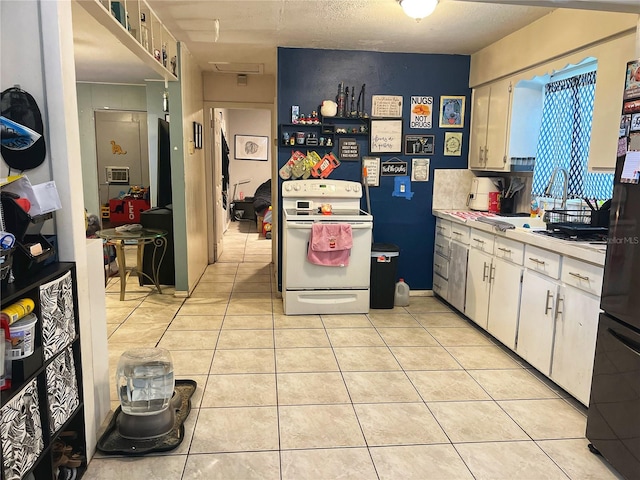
[[564, 139]]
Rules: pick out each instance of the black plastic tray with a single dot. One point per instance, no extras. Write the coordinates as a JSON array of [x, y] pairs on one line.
[[577, 229]]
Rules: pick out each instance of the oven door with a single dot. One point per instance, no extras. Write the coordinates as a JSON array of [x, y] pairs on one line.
[[300, 274]]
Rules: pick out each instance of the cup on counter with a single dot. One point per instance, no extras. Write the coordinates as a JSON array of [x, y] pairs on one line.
[[494, 202]]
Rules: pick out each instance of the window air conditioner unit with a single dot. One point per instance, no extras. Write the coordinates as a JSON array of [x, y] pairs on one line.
[[117, 175]]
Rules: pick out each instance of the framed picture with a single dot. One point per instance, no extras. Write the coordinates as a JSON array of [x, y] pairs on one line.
[[386, 136], [197, 134], [419, 144], [251, 147], [452, 112], [453, 144]]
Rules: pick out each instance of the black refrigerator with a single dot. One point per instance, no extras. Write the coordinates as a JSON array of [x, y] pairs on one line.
[[613, 420]]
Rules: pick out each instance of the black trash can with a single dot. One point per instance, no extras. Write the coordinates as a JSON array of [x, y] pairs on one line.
[[384, 269]]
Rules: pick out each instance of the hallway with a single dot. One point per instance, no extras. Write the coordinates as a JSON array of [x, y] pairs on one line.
[[415, 392]]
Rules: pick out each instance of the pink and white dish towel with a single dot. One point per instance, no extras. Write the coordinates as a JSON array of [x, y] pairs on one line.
[[330, 244]]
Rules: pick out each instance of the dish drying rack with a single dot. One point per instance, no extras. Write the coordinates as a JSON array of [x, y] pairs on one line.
[[577, 218], [568, 216]]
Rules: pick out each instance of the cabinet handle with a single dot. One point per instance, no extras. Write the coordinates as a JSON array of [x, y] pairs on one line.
[[484, 272], [577, 275], [481, 154], [439, 246], [478, 240], [456, 233], [546, 306], [505, 250], [439, 227], [535, 260], [492, 273], [559, 299], [486, 154]]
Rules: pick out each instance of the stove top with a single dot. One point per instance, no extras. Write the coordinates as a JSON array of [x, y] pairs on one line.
[[592, 238], [335, 215]]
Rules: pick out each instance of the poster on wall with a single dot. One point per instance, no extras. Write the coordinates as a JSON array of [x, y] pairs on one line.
[[386, 136], [420, 169], [453, 144], [632, 80], [421, 112], [348, 149], [371, 165], [251, 147], [451, 111], [386, 106], [419, 144]]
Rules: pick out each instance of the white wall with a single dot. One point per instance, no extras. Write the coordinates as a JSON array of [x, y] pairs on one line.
[[193, 171], [248, 122], [36, 39], [92, 97]]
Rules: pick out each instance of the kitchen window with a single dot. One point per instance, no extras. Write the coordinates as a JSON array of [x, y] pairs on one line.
[[564, 138]]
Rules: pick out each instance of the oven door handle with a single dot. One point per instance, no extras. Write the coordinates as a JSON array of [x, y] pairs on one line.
[[307, 225]]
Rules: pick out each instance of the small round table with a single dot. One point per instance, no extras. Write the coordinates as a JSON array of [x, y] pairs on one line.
[[142, 237]]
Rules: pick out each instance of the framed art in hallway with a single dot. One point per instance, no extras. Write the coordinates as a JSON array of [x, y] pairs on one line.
[[251, 147]]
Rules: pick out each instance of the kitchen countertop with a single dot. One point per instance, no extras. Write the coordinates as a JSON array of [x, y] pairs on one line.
[[579, 250]]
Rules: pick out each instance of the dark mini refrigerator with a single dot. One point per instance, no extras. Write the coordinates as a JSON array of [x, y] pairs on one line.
[[613, 421], [160, 218]]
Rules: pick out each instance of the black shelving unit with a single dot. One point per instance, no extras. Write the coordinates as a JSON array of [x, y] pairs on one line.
[[51, 377], [328, 127]]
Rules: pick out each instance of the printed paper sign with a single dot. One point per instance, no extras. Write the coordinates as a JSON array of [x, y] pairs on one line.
[[390, 169], [386, 106], [421, 112], [453, 144], [348, 149], [372, 167]]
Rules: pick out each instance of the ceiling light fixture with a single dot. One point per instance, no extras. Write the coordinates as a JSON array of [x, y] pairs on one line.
[[418, 9]]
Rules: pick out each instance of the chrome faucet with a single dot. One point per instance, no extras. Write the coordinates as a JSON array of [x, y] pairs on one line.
[[565, 185]]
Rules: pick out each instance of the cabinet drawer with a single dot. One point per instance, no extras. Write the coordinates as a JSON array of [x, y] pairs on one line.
[[443, 227], [543, 261], [483, 241], [441, 266], [443, 246], [509, 250], [460, 233], [582, 275], [440, 286]]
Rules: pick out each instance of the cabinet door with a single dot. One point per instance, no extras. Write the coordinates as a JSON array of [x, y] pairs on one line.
[[479, 118], [575, 341], [458, 275], [477, 301], [536, 324], [498, 126], [504, 301]]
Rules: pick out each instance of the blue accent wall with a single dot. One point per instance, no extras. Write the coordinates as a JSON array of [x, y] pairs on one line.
[[306, 77]]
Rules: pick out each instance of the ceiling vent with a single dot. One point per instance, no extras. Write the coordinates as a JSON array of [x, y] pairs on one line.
[[238, 68]]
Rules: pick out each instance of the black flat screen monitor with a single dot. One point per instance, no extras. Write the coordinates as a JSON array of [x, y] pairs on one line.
[[163, 196]]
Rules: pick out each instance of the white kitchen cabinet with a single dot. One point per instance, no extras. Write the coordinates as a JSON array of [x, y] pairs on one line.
[[536, 325], [477, 298], [504, 301], [458, 275], [488, 145], [575, 341]]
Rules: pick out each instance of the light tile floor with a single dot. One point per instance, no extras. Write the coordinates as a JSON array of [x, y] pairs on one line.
[[415, 392]]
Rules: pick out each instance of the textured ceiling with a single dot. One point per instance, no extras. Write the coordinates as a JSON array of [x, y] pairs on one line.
[[250, 30]]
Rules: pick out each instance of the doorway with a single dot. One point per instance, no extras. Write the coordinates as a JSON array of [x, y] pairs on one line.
[[122, 152], [233, 176]]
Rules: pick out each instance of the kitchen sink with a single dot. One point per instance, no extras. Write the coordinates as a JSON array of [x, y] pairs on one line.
[[534, 223]]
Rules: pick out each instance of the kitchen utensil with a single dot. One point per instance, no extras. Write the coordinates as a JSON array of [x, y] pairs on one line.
[[589, 204]]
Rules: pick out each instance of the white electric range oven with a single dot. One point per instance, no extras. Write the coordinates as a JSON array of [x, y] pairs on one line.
[[318, 289]]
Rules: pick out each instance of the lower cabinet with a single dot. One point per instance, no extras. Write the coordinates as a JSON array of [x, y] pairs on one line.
[[477, 301], [458, 275], [504, 301], [536, 326], [576, 327]]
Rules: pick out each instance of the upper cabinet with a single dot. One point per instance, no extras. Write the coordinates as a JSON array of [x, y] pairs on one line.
[[134, 24], [491, 108]]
